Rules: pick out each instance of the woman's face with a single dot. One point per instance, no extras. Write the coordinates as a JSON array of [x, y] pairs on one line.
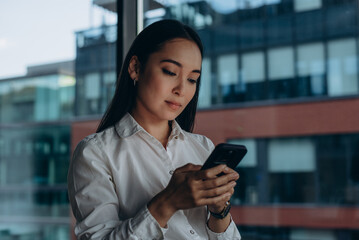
[[168, 82]]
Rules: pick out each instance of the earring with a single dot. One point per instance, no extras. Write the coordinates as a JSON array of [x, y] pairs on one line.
[[134, 82]]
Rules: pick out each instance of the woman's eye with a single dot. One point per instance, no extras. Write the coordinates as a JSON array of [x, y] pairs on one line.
[[192, 81], [168, 72]]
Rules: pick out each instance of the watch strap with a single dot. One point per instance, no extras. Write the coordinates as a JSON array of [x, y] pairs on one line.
[[223, 213]]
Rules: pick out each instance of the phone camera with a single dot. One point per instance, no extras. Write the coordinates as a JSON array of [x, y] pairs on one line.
[[229, 153]]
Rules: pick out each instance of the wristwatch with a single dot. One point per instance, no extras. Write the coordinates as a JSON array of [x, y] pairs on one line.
[[223, 213]]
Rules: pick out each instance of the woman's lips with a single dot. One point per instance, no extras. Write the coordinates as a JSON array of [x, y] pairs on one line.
[[173, 105]]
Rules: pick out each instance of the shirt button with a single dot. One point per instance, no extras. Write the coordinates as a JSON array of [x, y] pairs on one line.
[[176, 137], [192, 232], [171, 172]]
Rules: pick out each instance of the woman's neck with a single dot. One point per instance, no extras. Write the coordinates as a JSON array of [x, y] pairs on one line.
[[160, 130]]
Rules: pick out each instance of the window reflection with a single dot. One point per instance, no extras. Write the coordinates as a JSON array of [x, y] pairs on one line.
[[37, 108], [204, 98], [291, 163], [253, 75], [33, 181], [92, 92], [95, 69], [249, 170], [311, 70], [312, 169], [281, 72], [37, 98], [342, 67], [302, 42], [228, 77], [306, 5]]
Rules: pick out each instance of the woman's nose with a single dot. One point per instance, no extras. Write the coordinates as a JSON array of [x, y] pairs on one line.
[[179, 89]]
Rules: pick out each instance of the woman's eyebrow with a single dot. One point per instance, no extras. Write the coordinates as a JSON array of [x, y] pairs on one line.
[[178, 64]]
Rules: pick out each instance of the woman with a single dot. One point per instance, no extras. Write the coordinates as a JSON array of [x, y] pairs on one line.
[[139, 176]]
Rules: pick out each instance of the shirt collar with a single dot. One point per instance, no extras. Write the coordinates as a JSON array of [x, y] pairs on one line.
[[128, 126], [177, 131]]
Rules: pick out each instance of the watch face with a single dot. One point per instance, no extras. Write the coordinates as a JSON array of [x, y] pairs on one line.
[[226, 210]]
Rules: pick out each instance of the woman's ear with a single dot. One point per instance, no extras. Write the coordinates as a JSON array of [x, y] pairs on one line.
[[133, 67]]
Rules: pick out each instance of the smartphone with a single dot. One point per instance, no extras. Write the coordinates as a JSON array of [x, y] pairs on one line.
[[225, 153]]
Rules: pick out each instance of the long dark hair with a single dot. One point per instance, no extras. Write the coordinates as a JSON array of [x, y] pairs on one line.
[[150, 40]]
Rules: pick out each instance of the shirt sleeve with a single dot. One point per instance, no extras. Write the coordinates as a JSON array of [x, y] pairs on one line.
[[94, 200], [230, 233]]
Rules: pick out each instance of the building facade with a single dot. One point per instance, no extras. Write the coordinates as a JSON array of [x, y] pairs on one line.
[[95, 69], [35, 134], [280, 77]]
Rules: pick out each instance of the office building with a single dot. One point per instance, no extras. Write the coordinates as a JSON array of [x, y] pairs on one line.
[[35, 138], [280, 77]]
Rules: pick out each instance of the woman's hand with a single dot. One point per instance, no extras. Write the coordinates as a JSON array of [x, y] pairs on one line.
[[229, 179], [191, 187]]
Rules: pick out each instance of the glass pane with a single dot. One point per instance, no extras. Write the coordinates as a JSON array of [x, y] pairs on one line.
[[342, 67], [109, 79], [228, 77], [228, 65], [291, 156], [306, 5], [55, 57], [251, 157], [36, 191], [95, 62], [247, 191], [253, 67], [280, 63], [281, 72], [204, 98], [92, 86], [311, 69]]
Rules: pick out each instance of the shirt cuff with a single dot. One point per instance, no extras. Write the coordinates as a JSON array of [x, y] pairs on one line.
[[230, 233], [145, 226]]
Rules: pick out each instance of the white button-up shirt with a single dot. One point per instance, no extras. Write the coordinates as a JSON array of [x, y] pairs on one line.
[[115, 173]]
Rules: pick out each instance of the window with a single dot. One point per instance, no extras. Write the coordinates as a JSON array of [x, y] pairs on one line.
[[250, 160], [253, 67], [291, 163], [109, 85], [253, 75], [228, 77], [311, 70], [294, 155], [314, 234], [248, 190], [281, 63], [92, 86], [92, 92], [204, 98], [281, 72], [306, 5], [342, 67], [72, 41]]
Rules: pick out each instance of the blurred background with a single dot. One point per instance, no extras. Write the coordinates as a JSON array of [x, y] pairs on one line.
[[279, 76]]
